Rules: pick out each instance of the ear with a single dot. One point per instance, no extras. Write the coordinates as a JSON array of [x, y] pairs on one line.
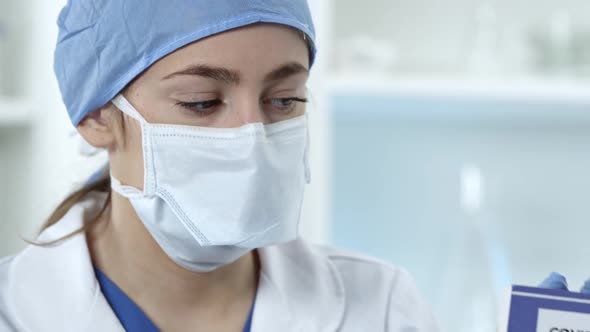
[[97, 128]]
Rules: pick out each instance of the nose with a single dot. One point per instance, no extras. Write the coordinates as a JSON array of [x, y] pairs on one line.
[[253, 114], [249, 109]]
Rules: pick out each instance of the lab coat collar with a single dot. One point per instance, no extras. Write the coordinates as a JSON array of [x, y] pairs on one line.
[[299, 288], [53, 288]]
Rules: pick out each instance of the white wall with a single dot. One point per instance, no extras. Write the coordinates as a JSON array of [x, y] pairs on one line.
[[437, 36], [40, 160], [15, 148]]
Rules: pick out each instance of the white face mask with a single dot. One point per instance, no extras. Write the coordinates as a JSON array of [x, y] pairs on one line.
[[212, 195]]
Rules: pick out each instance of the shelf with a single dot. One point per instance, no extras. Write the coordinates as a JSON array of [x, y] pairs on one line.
[[526, 90], [523, 102], [14, 112]]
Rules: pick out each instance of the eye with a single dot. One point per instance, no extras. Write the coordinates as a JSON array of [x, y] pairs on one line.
[[200, 107], [284, 104]]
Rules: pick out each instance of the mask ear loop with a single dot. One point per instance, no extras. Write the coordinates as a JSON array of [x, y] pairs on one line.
[[123, 190], [149, 181], [125, 106]]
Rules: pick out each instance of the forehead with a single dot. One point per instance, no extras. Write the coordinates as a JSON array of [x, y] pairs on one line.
[[252, 50]]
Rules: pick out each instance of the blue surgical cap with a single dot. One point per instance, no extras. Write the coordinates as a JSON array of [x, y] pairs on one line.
[[104, 44]]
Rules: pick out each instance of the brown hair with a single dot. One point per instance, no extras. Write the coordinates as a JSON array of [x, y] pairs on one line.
[[102, 184]]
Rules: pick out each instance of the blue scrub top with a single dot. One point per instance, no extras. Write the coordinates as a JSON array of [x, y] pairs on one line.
[[128, 313]]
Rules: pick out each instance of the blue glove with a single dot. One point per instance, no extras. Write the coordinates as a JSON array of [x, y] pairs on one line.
[[557, 281]]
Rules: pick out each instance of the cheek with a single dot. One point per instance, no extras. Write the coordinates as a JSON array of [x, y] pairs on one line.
[[131, 158], [132, 138], [161, 110], [126, 159]]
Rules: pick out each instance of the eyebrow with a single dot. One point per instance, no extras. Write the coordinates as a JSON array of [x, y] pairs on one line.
[[285, 71], [233, 77], [216, 73]]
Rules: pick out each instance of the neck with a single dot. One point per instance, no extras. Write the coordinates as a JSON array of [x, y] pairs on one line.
[[125, 251]]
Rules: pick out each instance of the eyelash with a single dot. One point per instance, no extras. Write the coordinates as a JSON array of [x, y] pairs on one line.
[[205, 107], [197, 107]]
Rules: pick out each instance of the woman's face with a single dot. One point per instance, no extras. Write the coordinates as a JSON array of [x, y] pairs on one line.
[[255, 74]]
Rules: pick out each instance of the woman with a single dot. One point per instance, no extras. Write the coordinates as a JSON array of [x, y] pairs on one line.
[[194, 225]]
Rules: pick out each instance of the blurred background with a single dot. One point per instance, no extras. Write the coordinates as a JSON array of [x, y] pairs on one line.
[[449, 137]]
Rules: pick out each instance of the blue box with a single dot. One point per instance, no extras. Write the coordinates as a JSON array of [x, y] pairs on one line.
[[547, 310]]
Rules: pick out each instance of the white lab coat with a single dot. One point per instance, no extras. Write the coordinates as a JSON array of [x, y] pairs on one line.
[[302, 288]]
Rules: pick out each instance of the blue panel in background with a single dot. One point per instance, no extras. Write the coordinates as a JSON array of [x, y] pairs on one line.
[[396, 193]]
